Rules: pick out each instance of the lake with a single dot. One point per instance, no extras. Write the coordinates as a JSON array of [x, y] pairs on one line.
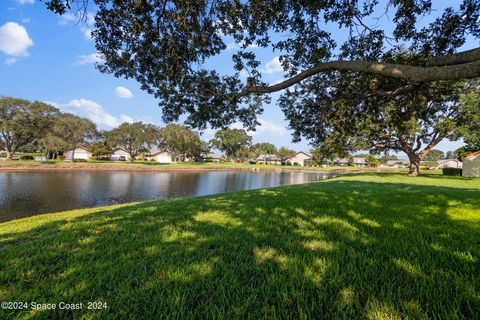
[[27, 193]]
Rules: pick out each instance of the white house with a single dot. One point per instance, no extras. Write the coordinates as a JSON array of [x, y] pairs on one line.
[[399, 163], [120, 155], [213, 157], [301, 158], [449, 163], [471, 165], [78, 153], [160, 156], [268, 159]]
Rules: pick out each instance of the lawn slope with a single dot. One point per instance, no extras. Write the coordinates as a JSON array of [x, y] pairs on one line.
[[371, 246]]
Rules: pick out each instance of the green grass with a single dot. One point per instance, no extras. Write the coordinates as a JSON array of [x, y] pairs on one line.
[[380, 246]]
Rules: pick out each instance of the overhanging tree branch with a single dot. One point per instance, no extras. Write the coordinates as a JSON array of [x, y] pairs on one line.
[[412, 74]]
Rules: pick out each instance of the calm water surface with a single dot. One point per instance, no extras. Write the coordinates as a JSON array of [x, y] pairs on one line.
[[29, 193]]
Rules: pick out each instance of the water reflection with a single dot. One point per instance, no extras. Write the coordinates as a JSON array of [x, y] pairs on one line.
[[28, 193]]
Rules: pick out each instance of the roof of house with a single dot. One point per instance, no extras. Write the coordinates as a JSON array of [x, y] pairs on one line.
[[473, 155], [214, 156], [77, 148], [447, 160], [359, 160], [340, 160], [305, 153], [403, 161], [155, 150], [268, 157]]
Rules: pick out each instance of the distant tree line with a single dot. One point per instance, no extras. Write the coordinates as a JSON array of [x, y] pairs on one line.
[[39, 126]]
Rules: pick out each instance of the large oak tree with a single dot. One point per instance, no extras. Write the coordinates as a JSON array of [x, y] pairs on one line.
[[23, 122], [165, 45]]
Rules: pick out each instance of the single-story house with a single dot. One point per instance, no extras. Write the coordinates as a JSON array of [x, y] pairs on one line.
[[214, 157], [78, 153], [449, 163], [268, 159], [160, 156], [399, 163], [471, 165], [357, 162], [360, 162], [120, 155], [300, 158], [340, 161]]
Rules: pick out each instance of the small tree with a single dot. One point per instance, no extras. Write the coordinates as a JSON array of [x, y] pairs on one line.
[[181, 141], [372, 161], [231, 141], [133, 138], [100, 150], [74, 131], [23, 122], [264, 148]]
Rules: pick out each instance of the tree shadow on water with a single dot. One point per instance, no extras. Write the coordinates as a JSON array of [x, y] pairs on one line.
[[327, 250]]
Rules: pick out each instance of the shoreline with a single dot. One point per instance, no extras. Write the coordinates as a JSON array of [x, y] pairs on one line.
[[11, 167]]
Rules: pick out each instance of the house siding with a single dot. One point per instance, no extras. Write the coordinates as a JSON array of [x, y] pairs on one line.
[[80, 153], [300, 158], [471, 166]]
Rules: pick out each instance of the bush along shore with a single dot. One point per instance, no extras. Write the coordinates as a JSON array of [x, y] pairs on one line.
[[382, 246]]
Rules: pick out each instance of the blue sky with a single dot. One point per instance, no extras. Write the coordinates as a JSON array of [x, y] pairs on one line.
[[50, 58]]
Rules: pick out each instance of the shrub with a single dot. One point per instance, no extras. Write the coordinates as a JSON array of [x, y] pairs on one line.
[[451, 171], [3, 154], [26, 157]]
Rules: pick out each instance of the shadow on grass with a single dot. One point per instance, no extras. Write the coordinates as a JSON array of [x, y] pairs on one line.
[[340, 249]]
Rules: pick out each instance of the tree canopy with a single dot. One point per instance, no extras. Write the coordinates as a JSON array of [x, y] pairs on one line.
[[133, 138], [166, 46], [232, 141], [23, 122], [72, 131], [181, 141]]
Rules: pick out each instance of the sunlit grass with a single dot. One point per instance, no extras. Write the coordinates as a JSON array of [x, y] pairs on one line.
[[378, 246]]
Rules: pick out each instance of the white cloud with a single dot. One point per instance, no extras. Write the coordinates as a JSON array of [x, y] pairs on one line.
[[67, 18], [269, 128], [85, 23], [10, 61], [25, 1], [92, 110], [273, 66], [26, 20], [123, 92], [237, 46], [14, 39], [90, 58], [265, 128]]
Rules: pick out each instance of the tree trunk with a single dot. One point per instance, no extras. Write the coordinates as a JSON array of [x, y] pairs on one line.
[[9, 155], [72, 158], [414, 168]]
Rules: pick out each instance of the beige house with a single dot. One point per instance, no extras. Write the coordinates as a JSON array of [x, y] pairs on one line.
[[300, 158], [450, 163], [268, 159], [471, 165], [160, 156], [78, 153], [120, 155]]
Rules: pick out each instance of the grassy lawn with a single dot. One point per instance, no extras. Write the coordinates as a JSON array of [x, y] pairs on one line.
[[381, 246]]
